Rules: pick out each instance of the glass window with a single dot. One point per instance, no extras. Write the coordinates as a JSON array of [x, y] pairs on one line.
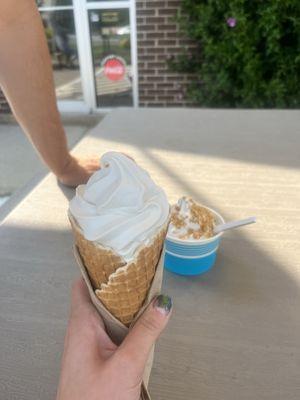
[[60, 33], [111, 49]]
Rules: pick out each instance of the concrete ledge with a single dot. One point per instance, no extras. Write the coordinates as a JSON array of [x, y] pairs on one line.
[[19, 195]]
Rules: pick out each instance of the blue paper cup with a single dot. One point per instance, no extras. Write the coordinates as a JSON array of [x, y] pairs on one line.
[[190, 257]]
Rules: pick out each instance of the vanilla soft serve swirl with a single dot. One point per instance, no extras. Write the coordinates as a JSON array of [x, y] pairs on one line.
[[120, 206]]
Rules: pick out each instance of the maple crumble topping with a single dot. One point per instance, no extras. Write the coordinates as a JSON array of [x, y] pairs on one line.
[[190, 220]]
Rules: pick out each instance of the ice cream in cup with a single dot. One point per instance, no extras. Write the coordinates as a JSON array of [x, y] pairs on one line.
[[191, 245]]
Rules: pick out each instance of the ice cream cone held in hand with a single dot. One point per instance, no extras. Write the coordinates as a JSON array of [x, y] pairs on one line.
[[119, 219]]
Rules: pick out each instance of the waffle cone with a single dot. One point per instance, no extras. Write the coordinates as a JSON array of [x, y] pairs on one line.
[[122, 287]]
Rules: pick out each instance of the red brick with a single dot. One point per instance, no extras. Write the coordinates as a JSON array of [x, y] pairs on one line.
[[167, 98], [167, 27], [163, 71], [156, 64], [155, 4], [155, 20], [148, 28], [159, 38], [156, 50], [155, 92], [145, 43], [186, 42], [172, 34], [167, 42], [144, 57], [147, 98], [154, 78], [140, 4], [174, 92], [4, 106], [146, 85], [174, 3], [168, 11], [175, 50], [142, 12], [166, 85], [155, 35], [147, 71], [175, 77]]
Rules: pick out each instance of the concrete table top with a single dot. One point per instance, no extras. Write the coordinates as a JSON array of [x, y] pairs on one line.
[[235, 330]]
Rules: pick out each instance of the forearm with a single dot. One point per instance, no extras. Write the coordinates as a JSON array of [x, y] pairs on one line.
[[27, 80]]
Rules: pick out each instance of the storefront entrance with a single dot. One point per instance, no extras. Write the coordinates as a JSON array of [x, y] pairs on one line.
[[93, 50]]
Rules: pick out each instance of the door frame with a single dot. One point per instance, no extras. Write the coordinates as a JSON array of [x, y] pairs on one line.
[[80, 106], [82, 30]]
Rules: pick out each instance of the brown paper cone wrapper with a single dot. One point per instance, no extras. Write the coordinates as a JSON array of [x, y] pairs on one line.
[[116, 329]]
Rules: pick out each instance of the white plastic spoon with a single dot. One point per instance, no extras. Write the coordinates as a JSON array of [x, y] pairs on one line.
[[234, 224]]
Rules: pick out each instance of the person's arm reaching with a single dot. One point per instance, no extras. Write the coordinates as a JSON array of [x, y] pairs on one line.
[[27, 81]]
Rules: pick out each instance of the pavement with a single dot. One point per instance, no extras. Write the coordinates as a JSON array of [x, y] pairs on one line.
[[19, 163], [3, 200]]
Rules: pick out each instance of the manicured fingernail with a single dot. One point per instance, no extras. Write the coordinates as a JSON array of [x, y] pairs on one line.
[[163, 304]]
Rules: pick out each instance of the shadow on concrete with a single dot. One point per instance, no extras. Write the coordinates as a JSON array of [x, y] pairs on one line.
[[67, 191], [37, 269]]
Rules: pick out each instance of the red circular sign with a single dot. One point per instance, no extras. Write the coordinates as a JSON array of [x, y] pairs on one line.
[[114, 69]]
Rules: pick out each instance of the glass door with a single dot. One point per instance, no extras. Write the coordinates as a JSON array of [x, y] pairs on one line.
[[113, 51], [61, 34], [93, 50]]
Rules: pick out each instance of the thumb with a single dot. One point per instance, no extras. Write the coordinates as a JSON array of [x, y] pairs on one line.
[[139, 341]]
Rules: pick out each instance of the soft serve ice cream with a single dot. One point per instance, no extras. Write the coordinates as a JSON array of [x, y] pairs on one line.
[[191, 221], [120, 206]]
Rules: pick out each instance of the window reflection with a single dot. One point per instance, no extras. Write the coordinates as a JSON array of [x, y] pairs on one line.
[[111, 48], [61, 38]]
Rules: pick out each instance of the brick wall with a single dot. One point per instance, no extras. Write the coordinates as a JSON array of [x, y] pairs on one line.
[[4, 107], [158, 40]]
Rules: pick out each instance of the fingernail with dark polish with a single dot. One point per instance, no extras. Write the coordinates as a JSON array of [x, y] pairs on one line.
[[163, 304]]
